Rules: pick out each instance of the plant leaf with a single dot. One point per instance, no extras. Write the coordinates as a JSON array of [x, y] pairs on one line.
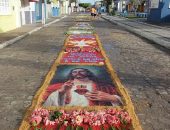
[[79, 128], [68, 128], [89, 128]]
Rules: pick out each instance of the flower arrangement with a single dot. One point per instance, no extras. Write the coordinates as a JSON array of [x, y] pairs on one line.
[[109, 119]]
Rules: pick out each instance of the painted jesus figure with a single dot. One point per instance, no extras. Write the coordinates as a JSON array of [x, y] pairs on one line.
[[81, 89]]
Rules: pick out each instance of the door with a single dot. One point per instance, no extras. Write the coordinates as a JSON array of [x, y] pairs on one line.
[[38, 10]]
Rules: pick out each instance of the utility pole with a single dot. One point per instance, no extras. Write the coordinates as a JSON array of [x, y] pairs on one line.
[[76, 5]]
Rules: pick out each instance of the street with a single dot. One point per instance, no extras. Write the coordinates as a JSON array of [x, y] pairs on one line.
[[144, 70]]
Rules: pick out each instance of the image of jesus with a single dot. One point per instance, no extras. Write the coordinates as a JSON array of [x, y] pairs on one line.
[[81, 89]]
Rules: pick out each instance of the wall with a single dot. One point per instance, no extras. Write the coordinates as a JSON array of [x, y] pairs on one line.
[[38, 11], [121, 6], [14, 16], [48, 11], [28, 13], [160, 14], [165, 15]]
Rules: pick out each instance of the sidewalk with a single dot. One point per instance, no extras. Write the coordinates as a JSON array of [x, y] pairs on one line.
[[155, 34], [12, 36]]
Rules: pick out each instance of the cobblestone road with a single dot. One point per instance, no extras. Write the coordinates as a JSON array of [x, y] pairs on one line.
[[144, 69], [23, 67]]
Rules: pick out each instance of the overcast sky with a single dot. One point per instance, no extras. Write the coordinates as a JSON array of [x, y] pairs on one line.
[[87, 1]]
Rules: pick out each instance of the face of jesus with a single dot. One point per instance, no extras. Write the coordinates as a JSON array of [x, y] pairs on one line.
[[79, 73]]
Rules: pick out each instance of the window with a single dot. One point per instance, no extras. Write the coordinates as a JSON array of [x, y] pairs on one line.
[[154, 3], [4, 7]]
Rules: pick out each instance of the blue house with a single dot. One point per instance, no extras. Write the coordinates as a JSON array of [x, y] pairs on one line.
[[38, 9], [159, 11]]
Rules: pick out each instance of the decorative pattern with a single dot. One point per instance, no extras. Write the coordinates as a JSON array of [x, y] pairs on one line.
[[84, 36], [82, 42], [81, 28], [82, 49], [76, 31], [109, 119], [82, 18], [81, 90]]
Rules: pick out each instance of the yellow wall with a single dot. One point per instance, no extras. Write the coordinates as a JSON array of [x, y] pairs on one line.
[[8, 22]]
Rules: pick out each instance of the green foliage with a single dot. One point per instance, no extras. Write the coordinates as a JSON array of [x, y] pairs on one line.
[[112, 13], [79, 128], [48, 1], [85, 5], [56, 115], [109, 2], [37, 128], [74, 128], [68, 128], [112, 128]]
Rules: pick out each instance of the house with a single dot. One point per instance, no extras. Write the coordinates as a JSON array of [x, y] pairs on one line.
[[64, 4], [61, 6], [27, 12], [100, 6], [22, 12], [9, 15], [159, 11], [120, 5]]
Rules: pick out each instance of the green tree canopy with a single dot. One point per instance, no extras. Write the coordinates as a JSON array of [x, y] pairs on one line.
[[137, 2], [84, 5]]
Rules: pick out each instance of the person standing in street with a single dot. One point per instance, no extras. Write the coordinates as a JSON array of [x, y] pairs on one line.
[[93, 12]]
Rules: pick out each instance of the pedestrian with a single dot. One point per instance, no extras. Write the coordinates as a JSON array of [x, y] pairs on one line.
[[93, 12]]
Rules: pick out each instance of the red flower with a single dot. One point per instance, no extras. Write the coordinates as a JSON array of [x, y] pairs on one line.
[[94, 119], [35, 120], [113, 121]]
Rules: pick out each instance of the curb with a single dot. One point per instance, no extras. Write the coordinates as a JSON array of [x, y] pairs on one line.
[[155, 40], [9, 42]]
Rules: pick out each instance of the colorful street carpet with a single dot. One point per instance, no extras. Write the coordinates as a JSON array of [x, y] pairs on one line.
[[81, 91]]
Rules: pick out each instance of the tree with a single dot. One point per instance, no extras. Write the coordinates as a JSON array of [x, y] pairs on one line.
[[49, 1], [85, 5], [108, 4]]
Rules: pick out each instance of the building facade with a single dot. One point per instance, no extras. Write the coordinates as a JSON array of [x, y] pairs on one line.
[[159, 11], [9, 11], [22, 12], [27, 12]]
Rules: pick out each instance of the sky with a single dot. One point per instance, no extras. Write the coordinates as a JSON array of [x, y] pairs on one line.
[[87, 1]]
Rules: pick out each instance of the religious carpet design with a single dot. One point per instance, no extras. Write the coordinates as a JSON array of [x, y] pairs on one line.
[[81, 28], [81, 90]]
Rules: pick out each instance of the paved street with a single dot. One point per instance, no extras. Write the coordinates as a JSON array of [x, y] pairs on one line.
[[23, 67], [155, 34], [143, 68]]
